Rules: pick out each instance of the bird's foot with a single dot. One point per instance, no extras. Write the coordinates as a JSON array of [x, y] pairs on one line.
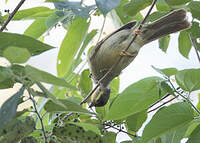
[[137, 32], [126, 53]]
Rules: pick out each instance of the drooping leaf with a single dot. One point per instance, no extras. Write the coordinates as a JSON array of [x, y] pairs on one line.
[[42, 76], [195, 29], [16, 55], [70, 45], [135, 121], [107, 5], [87, 40], [177, 2], [184, 43], [195, 9], [188, 79], [8, 109], [168, 119], [169, 71], [35, 47], [32, 13], [135, 98], [85, 83], [133, 7], [37, 28], [164, 43], [65, 106]]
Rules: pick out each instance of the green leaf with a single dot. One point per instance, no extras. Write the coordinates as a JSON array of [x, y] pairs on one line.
[[135, 98], [184, 43], [155, 16], [135, 121], [169, 71], [164, 43], [175, 136], [106, 5], [37, 28], [177, 2], [88, 127], [194, 137], [133, 7], [109, 137], [195, 9], [16, 55], [8, 109], [31, 13], [161, 5], [87, 40], [35, 47], [70, 45], [192, 126], [85, 83], [195, 29], [5, 73], [114, 86], [42, 76], [168, 119], [188, 79], [65, 106]]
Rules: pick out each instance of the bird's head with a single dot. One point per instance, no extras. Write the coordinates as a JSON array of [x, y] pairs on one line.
[[100, 97]]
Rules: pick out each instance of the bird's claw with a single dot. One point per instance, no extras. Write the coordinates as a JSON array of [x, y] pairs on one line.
[[126, 53], [137, 31]]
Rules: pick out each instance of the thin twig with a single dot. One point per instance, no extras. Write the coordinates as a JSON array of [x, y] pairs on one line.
[[184, 97], [161, 105], [12, 15], [120, 130], [120, 58], [160, 100], [104, 21], [38, 115], [195, 46]]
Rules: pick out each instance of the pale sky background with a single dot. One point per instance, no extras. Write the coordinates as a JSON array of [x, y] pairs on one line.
[[140, 68]]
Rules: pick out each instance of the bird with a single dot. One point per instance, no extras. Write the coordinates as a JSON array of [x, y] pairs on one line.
[[107, 51]]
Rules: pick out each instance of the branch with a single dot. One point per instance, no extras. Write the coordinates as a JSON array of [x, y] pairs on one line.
[[120, 58], [195, 46], [12, 15], [120, 130], [161, 105], [38, 115]]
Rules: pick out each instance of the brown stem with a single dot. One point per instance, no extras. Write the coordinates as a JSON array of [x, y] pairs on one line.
[[120, 58], [12, 15]]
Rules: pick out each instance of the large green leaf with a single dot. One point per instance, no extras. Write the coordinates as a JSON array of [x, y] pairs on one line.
[[107, 5], [164, 43], [64, 106], [188, 79], [109, 137], [195, 9], [32, 13], [42, 76], [133, 7], [35, 47], [14, 54], [9, 108], [70, 45], [177, 2], [135, 121], [135, 98], [194, 137], [37, 28], [161, 5], [168, 119], [184, 43], [155, 16]]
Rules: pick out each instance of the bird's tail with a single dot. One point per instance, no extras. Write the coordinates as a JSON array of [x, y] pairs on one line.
[[171, 23]]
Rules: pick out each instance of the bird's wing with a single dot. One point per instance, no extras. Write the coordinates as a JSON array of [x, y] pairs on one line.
[[98, 45]]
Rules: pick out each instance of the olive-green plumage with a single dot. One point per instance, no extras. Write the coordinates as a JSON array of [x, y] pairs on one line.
[[109, 49]]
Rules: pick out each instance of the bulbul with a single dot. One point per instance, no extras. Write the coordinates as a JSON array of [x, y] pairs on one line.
[[108, 50]]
